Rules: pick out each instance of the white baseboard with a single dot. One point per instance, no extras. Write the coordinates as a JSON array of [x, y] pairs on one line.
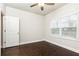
[[21, 43], [64, 46], [30, 42], [27, 42]]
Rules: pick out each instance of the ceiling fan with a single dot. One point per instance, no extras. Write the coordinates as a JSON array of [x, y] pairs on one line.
[[41, 5]]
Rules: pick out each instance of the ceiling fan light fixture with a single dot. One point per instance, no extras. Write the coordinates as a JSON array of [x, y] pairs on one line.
[[41, 5]]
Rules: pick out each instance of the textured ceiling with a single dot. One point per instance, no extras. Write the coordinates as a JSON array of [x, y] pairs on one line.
[[36, 9]]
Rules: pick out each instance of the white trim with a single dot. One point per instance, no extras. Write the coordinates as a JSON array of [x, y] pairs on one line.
[[27, 42], [0, 31], [64, 46], [30, 42]]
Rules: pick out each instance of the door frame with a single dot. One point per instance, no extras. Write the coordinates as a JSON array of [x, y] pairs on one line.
[[4, 33]]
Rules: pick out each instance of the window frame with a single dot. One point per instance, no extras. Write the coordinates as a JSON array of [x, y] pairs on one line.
[[66, 37]]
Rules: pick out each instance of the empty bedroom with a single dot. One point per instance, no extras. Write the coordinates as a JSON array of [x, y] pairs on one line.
[[39, 29]]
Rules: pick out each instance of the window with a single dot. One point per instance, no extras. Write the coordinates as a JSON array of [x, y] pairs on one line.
[[54, 27], [66, 26]]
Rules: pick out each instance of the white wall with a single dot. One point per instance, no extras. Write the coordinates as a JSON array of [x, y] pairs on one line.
[[31, 25], [63, 11]]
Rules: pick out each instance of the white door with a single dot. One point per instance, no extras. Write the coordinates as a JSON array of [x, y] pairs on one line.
[[10, 31]]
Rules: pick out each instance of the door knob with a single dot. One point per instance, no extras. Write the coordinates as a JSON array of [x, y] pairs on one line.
[[4, 42], [4, 30]]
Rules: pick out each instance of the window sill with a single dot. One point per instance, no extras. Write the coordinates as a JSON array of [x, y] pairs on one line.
[[63, 37]]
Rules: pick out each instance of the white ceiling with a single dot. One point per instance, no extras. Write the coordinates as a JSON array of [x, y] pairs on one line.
[[36, 9]]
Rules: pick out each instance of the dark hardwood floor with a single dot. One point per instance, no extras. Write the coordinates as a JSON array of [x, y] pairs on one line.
[[42, 48]]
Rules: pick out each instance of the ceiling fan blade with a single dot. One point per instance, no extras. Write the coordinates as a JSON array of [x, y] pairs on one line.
[[50, 3], [34, 5], [42, 8]]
